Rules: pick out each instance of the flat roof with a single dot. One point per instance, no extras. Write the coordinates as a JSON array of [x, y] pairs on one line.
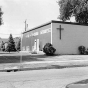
[[54, 21]]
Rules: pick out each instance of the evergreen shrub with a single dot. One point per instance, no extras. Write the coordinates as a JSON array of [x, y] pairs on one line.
[[49, 49], [11, 45], [82, 50]]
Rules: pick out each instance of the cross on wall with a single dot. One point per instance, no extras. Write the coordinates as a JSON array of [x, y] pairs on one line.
[[60, 29]]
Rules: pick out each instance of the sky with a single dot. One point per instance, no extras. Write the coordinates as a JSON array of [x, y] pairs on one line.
[[36, 12]]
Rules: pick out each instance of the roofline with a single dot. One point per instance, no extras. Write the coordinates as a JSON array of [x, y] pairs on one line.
[[38, 27], [73, 23], [55, 21]]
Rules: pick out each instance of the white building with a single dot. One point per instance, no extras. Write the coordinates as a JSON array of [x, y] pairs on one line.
[[66, 37]]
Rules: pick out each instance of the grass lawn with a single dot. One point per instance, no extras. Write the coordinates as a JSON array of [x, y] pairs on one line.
[[15, 57], [79, 84]]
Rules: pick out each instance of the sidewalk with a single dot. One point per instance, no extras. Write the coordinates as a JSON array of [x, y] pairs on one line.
[[49, 63]]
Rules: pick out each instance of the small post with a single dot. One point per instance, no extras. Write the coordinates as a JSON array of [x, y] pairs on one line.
[[21, 53]]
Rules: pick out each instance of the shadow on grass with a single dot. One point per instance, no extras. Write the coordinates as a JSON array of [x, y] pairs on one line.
[[16, 59], [41, 56]]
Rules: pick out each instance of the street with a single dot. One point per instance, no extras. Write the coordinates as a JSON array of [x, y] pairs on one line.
[[50, 78]]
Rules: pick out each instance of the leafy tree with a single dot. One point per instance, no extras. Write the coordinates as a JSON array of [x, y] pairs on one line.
[[11, 44], [18, 47], [1, 13], [76, 8]]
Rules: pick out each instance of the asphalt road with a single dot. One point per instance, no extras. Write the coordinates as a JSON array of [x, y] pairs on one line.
[[50, 78]]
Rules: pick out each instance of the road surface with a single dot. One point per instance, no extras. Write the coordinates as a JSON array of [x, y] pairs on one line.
[[50, 78]]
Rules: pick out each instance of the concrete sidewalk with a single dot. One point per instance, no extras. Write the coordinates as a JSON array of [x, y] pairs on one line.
[[49, 63]]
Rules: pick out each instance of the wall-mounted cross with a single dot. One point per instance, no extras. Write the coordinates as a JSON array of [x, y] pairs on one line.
[[60, 30]]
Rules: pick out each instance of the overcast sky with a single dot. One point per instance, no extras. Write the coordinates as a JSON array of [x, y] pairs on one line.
[[16, 12], [36, 12]]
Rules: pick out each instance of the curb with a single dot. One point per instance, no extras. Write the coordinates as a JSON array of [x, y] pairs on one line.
[[42, 65]]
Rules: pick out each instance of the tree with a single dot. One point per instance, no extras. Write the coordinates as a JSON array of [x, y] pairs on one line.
[[1, 13], [76, 8], [11, 44], [18, 47], [2, 47]]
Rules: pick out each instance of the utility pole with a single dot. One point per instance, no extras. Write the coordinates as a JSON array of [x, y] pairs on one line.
[[25, 24]]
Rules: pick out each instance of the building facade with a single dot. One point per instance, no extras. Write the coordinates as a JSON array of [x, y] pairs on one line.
[[66, 37]]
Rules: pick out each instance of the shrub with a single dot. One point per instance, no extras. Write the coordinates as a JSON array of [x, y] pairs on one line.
[[82, 49], [86, 51], [34, 52], [49, 49]]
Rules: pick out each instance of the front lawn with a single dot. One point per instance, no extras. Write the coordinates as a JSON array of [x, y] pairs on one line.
[[15, 58]]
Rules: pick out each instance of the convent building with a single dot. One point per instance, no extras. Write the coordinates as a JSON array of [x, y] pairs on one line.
[[65, 37]]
